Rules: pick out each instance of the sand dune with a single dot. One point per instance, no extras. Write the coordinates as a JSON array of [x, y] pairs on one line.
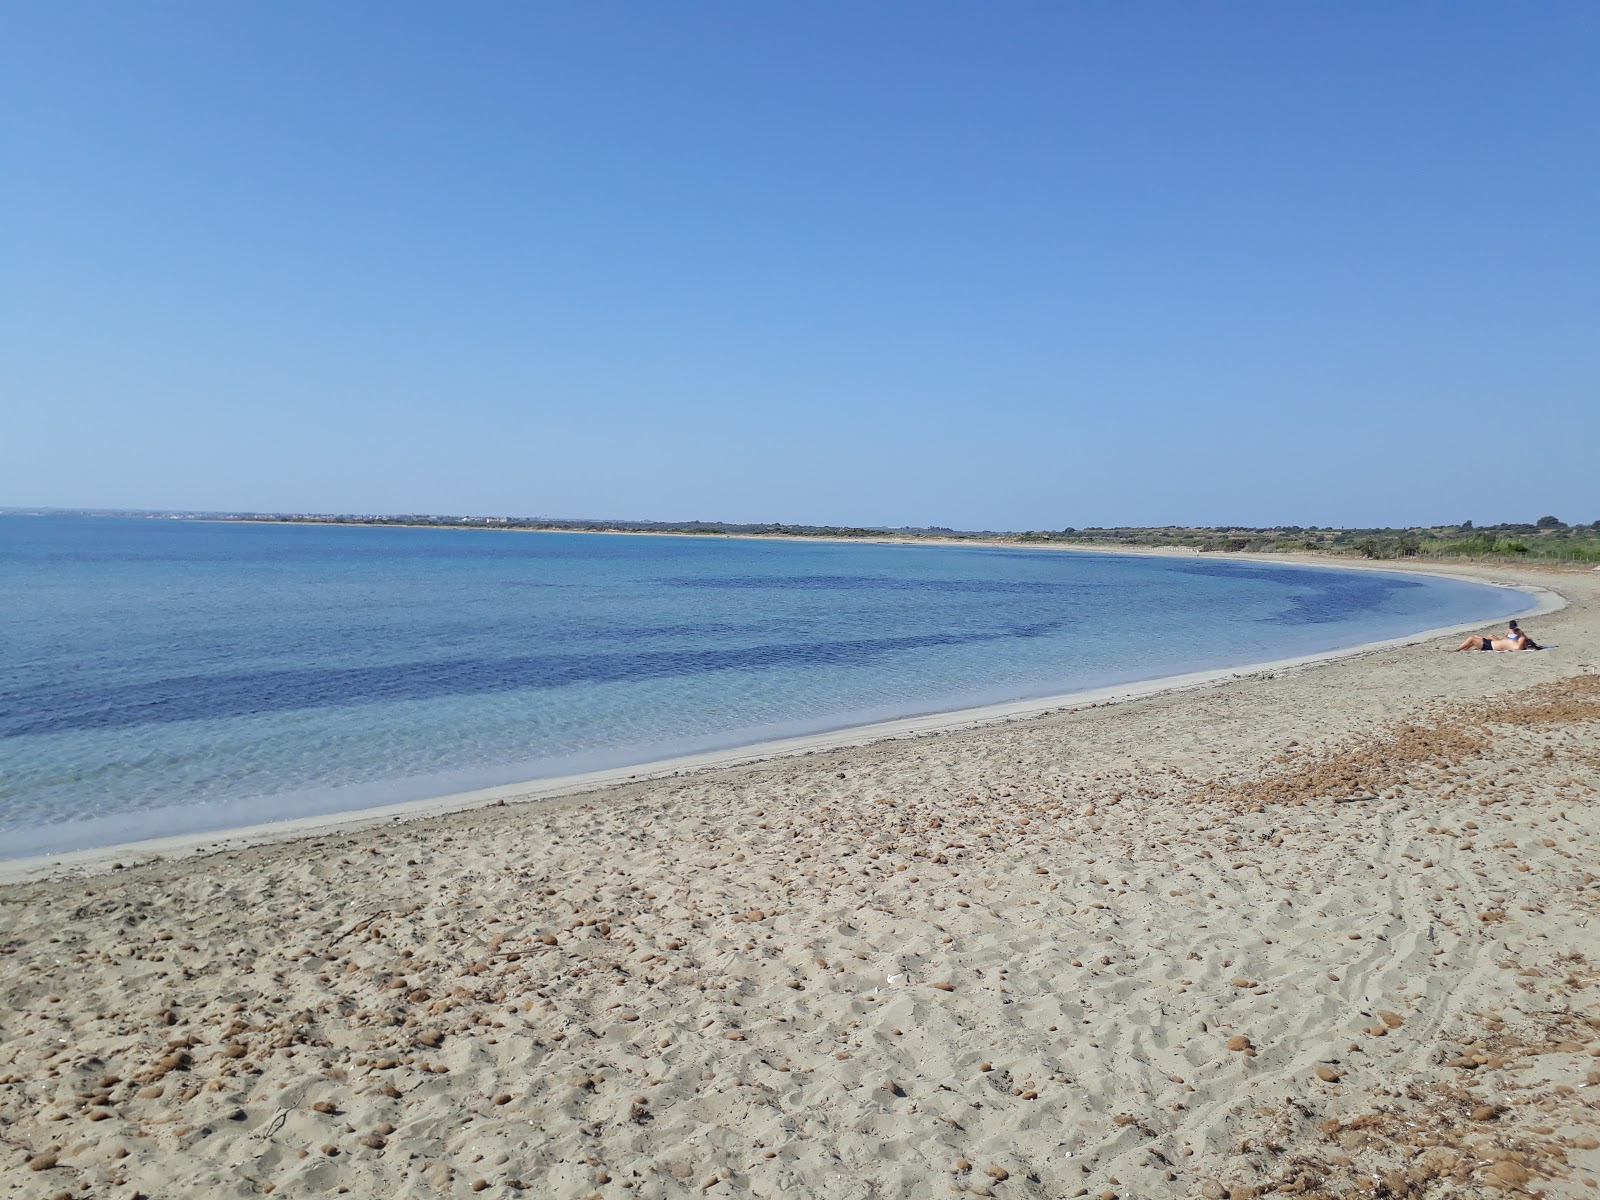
[[1325, 931]]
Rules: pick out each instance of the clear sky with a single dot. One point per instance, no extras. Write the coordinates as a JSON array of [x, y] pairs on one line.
[[1002, 265]]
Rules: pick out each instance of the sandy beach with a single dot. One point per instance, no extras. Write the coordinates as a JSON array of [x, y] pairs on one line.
[[1319, 930]]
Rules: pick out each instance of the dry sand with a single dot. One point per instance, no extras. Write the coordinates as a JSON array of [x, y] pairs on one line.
[[1324, 930]]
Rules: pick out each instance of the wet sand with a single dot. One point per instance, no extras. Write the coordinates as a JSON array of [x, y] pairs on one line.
[[1321, 930]]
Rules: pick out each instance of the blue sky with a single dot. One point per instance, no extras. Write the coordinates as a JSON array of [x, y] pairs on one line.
[[984, 265]]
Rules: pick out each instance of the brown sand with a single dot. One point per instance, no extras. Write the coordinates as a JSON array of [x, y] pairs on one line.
[[1325, 931]]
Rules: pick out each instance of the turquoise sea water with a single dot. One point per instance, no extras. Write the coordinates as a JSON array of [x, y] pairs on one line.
[[162, 676]]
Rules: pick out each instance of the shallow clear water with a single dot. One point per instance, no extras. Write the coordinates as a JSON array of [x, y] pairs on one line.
[[171, 676]]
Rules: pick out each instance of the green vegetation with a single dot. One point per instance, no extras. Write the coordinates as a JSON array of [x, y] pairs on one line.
[[1547, 539]]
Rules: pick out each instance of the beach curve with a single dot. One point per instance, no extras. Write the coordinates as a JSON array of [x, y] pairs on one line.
[[1263, 934]]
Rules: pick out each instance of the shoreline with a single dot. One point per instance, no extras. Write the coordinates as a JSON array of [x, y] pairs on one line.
[[102, 859], [1299, 557], [938, 540]]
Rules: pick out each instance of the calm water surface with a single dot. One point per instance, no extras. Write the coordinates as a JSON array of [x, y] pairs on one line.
[[171, 676]]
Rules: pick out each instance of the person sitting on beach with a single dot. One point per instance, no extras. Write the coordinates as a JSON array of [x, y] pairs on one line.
[[1515, 634], [1477, 642]]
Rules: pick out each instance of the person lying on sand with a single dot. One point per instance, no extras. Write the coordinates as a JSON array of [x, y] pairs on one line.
[[1520, 642]]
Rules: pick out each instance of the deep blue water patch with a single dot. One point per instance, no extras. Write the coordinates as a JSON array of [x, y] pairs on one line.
[[209, 697]]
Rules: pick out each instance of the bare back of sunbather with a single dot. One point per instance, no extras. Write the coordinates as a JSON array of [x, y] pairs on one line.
[[1476, 642]]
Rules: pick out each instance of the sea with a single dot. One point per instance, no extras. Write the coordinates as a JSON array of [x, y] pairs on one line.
[[168, 676]]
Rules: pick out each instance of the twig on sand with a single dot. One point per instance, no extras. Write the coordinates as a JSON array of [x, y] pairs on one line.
[[361, 924], [275, 1125]]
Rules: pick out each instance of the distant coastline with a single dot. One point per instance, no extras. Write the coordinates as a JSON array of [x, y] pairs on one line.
[[1547, 541]]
